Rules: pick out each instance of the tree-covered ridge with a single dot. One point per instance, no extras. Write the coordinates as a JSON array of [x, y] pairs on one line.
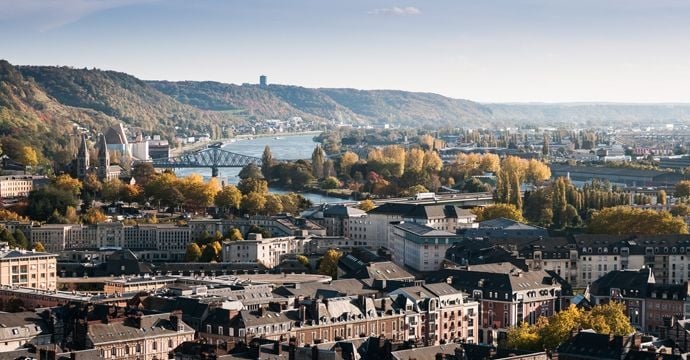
[[122, 96], [30, 117], [340, 105]]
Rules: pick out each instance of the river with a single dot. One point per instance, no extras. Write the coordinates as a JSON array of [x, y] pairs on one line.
[[283, 148]]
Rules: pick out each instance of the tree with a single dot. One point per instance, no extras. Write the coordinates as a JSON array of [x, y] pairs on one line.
[[38, 247], [131, 193], [6, 236], [273, 205], [92, 184], [94, 216], [303, 260], [683, 189], [682, 210], [8, 215], [253, 185], [211, 252], [524, 337], [346, 161], [317, 160], [330, 183], [267, 162], [235, 234], [251, 171], [366, 205], [68, 183], [28, 156], [537, 172], [490, 163], [71, 215], [229, 198], [432, 161], [44, 201], [414, 160], [416, 189], [622, 220], [661, 197], [329, 263], [143, 172], [508, 211], [253, 203], [20, 239], [193, 253], [112, 190]]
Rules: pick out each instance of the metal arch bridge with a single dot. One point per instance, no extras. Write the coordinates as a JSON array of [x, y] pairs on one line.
[[213, 157]]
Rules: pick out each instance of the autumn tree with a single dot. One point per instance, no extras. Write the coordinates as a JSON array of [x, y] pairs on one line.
[[490, 163], [682, 210], [143, 172], [537, 172], [253, 185], [682, 189], [131, 193], [193, 253], [317, 160], [508, 211], [235, 234], [67, 183], [661, 197], [273, 204], [329, 263], [346, 161], [414, 160], [366, 205], [28, 156], [38, 247], [94, 216], [622, 220], [228, 198], [253, 203], [211, 252]]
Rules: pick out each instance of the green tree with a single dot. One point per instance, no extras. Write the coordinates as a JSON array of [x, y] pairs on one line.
[[6, 236], [193, 253], [251, 171], [253, 185], [143, 173], [44, 201], [267, 162], [112, 190], [211, 252], [329, 263], [20, 240]]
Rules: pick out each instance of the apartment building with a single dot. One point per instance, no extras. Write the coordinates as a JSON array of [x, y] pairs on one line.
[[19, 330], [377, 228], [507, 295], [15, 186], [267, 251], [30, 269], [420, 247], [438, 313]]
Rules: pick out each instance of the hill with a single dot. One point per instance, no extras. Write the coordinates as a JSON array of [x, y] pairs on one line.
[[29, 116], [125, 98], [337, 105]]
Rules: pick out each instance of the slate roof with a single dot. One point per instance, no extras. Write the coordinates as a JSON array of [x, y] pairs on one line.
[[13, 254], [421, 211], [594, 346], [428, 352], [337, 288], [342, 211], [423, 230], [631, 283], [21, 325], [151, 325]]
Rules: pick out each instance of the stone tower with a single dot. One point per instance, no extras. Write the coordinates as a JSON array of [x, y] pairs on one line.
[[103, 158], [83, 159]]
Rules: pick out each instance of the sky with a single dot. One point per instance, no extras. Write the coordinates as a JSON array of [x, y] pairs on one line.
[[482, 50]]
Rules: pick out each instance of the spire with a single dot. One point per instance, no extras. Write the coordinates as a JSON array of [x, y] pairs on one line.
[[103, 158], [83, 158]]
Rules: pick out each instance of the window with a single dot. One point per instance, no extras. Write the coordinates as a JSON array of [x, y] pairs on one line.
[[154, 346], [113, 352]]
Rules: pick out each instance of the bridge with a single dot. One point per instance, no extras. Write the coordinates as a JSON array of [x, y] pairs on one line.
[[213, 157]]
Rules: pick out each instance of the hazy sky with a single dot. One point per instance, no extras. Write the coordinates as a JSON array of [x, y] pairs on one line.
[[483, 50]]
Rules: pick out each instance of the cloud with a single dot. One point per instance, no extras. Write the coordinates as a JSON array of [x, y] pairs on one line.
[[46, 15], [396, 11]]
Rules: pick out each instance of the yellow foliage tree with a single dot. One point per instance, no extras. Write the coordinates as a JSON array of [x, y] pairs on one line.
[[346, 161], [490, 163], [28, 156], [329, 263], [253, 203], [414, 160], [508, 211], [683, 189], [622, 220], [68, 184], [366, 205], [537, 172], [432, 161], [38, 246], [94, 216]]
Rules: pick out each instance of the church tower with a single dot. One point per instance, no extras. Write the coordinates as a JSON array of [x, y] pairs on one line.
[[83, 159], [103, 158]]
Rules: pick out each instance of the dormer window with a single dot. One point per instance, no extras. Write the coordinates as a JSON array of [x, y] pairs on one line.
[[615, 250]]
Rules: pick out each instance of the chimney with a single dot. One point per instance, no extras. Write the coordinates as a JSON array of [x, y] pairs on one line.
[[316, 307], [303, 312], [176, 318]]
